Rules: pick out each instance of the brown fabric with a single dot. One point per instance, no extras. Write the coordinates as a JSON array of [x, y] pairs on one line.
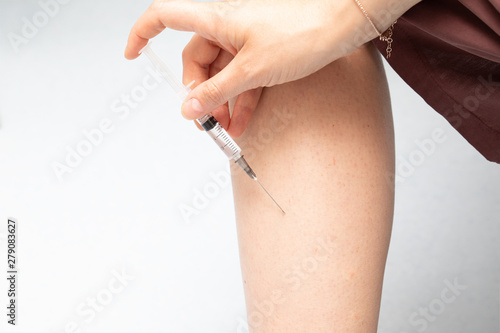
[[449, 53]]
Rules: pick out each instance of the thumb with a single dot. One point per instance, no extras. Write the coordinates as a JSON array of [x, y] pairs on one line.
[[216, 91]]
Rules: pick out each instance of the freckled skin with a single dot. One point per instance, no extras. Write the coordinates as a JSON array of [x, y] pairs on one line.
[[328, 169]]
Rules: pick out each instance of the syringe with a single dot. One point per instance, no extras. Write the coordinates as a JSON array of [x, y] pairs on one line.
[[207, 122]]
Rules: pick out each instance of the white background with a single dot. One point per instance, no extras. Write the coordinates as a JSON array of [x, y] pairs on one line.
[[119, 209]]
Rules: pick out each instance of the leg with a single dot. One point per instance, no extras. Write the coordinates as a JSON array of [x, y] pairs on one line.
[[323, 147]]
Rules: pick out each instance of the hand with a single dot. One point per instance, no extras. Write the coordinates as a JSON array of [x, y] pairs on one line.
[[199, 65], [240, 46]]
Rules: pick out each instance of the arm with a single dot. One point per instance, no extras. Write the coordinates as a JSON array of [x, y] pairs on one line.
[[270, 42]]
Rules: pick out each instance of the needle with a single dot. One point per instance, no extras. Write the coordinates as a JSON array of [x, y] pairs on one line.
[[208, 122], [270, 196]]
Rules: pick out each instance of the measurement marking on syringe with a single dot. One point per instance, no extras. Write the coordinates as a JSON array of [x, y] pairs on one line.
[[182, 92]]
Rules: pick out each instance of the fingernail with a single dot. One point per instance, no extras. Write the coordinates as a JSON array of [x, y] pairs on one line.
[[193, 108]]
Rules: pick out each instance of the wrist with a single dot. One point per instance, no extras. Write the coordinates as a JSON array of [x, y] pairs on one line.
[[363, 20], [383, 13]]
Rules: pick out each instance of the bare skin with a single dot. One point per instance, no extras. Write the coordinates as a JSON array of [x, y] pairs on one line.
[[270, 43], [319, 137], [323, 146]]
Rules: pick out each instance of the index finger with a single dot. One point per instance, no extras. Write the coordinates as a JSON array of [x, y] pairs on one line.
[[183, 15]]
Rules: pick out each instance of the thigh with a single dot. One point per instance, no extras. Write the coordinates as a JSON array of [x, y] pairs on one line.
[[323, 147]]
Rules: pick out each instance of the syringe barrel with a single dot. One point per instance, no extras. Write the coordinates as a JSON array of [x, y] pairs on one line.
[[220, 136]]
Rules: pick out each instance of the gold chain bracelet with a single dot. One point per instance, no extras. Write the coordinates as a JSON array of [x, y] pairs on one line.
[[386, 36]]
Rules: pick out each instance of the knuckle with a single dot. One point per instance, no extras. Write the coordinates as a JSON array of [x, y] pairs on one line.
[[220, 9], [213, 93], [223, 12], [157, 5], [252, 72]]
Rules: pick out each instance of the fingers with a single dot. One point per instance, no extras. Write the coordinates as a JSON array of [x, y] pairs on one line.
[[201, 60], [185, 15], [222, 112], [197, 59], [216, 91], [243, 108], [202, 18]]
